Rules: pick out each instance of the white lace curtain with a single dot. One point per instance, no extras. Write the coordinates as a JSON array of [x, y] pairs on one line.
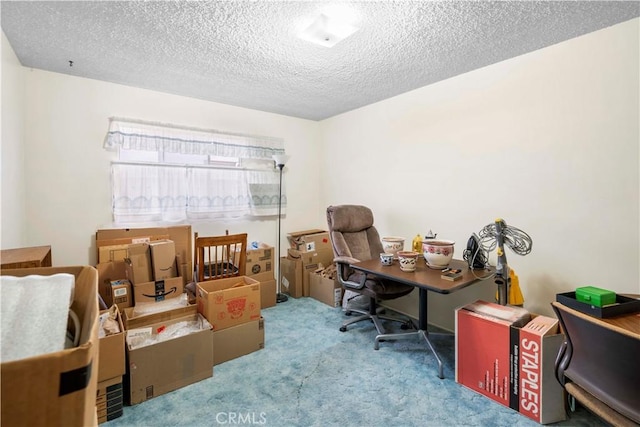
[[159, 190]]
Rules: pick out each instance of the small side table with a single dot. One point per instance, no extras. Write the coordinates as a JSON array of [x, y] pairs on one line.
[[36, 256]]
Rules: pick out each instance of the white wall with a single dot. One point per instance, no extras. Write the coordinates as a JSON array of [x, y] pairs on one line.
[[12, 204], [67, 170], [548, 141]]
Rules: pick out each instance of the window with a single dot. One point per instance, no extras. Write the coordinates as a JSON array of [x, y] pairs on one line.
[[173, 173]]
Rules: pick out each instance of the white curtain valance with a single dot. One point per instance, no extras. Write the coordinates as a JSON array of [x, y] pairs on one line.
[[149, 136], [166, 193]]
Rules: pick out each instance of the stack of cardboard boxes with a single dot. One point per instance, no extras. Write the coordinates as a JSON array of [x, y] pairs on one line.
[[111, 369], [149, 266], [232, 306], [260, 266], [310, 251], [143, 265], [508, 355], [142, 268]]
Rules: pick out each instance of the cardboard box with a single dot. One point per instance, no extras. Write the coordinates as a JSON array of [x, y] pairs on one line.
[[509, 356], [483, 347], [229, 302], [238, 340], [268, 293], [131, 320], [168, 365], [310, 262], [314, 240], [181, 235], [57, 388], [109, 272], [291, 277], [268, 289], [121, 294], [540, 395], [109, 399], [118, 249], [260, 261], [113, 252], [111, 351], [328, 291], [159, 290], [138, 263], [163, 259]]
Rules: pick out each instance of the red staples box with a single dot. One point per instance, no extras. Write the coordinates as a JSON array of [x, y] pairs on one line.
[[540, 395], [483, 348]]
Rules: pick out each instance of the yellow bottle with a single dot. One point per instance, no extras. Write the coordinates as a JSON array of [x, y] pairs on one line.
[[515, 293], [417, 244]]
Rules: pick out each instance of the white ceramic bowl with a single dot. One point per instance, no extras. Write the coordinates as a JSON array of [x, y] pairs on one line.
[[437, 253], [391, 245], [408, 260], [386, 259]]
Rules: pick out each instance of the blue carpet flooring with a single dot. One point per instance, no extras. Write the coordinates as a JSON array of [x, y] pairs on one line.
[[310, 374]]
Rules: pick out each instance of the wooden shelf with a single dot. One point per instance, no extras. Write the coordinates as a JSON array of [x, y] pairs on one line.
[[36, 256]]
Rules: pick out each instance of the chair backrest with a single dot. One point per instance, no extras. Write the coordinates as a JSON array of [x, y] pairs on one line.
[[601, 359], [220, 257], [352, 232]]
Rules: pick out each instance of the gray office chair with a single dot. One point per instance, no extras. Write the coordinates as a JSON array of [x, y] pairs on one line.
[[354, 238]]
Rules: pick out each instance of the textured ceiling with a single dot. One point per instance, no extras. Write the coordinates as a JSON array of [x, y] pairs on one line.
[[246, 53]]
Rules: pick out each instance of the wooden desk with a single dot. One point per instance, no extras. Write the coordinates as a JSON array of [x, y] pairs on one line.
[[627, 324], [37, 256], [425, 279]]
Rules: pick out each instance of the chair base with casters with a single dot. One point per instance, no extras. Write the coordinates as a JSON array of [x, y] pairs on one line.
[[374, 313], [354, 238]]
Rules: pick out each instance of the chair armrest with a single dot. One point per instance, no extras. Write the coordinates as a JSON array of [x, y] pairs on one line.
[[345, 260], [343, 270]]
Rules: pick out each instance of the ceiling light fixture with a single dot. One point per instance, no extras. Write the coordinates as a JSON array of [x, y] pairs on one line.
[[327, 31]]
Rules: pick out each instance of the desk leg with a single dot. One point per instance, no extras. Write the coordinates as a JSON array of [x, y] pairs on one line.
[[422, 331], [425, 335], [423, 325], [423, 319]]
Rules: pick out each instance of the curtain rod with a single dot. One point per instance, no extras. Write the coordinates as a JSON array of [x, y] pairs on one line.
[[186, 165], [192, 128]]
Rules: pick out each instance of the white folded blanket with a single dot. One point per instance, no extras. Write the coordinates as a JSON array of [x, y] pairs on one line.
[[33, 314]]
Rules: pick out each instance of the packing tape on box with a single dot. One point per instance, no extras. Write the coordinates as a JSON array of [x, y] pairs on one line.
[[74, 380]]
